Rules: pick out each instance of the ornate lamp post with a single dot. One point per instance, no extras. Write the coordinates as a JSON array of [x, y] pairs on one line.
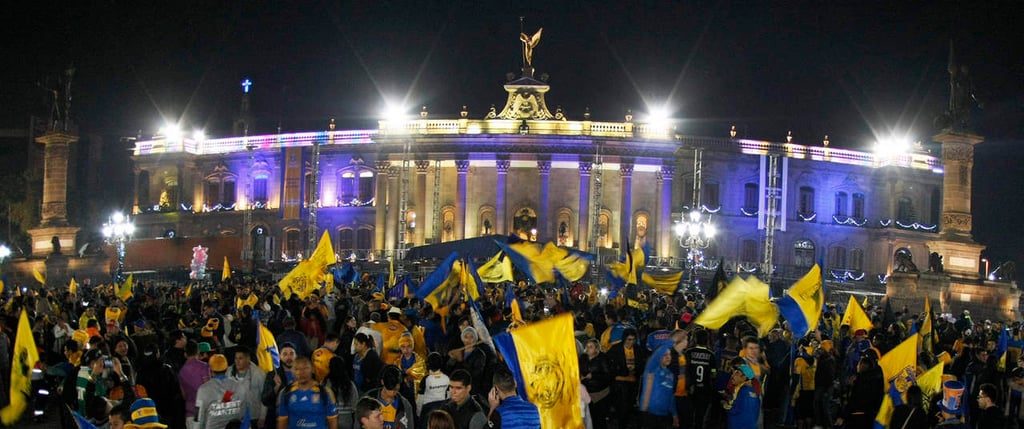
[[118, 231], [695, 233]]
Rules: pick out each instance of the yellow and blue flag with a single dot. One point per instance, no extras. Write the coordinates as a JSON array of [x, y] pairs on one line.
[[801, 305], [497, 269], [24, 358], [931, 381], [665, 284], [402, 288], [471, 281], [267, 354], [569, 263], [437, 288], [899, 369], [627, 270], [856, 317], [125, 290], [545, 354], [1000, 352], [512, 303], [529, 258]]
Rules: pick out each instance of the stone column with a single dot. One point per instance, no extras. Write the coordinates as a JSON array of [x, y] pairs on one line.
[[544, 214], [461, 168], [583, 223], [664, 227], [422, 166], [626, 204], [961, 254], [391, 235], [380, 204], [502, 166], [54, 226]]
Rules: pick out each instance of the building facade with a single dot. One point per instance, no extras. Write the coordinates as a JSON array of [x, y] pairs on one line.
[[596, 186]]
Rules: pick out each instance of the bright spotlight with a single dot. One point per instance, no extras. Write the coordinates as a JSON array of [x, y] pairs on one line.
[[198, 135], [394, 113], [892, 146], [170, 131], [659, 116]]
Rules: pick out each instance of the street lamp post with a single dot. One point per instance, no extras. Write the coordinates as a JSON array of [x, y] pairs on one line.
[[118, 231], [695, 233]]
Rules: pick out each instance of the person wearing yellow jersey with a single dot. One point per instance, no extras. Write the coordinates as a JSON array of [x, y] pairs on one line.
[[413, 366], [89, 313], [803, 377], [390, 331], [113, 316], [246, 298]]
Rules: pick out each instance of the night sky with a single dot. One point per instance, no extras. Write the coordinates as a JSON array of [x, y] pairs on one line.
[[853, 70]]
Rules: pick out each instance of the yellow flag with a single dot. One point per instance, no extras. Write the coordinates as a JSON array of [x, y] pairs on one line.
[[188, 290], [496, 270], [856, 317], [741, 298], [302, 280], [324, 253], [542, 356], [665, 284], [865, 303], [927, 332], [73, 286], [39, 276], [226, 274], [24, 360], [125, 290], [899, 369], [931, 381]]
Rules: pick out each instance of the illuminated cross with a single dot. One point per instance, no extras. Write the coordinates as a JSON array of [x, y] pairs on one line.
[[245, 85]]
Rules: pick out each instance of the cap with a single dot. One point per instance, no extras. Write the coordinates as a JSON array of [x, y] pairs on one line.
[[144, 415], [395, 310], [204, 347], [218, 363]]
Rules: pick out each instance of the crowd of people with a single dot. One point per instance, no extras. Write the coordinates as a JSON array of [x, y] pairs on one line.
[[185, 356]]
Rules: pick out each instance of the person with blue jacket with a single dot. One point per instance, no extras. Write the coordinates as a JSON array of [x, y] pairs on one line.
[[657, 394], [744, 406]]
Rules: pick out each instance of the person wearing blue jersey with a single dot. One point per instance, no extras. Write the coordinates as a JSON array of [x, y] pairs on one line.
[[305, 404]]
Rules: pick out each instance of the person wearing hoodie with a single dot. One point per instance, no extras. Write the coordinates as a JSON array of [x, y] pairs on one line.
[[657, 392], [743, 406]]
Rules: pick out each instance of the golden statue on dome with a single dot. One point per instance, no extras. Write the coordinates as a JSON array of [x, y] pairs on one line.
[[529, 42]]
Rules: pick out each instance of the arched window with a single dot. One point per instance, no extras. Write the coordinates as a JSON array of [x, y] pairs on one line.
[[748, 252], [856, 260], [364, 239], [293, 243], [905, 210], [346, 241], [709, 194], [356, 185], [486, 221], [858, 206], [603, 223], [750, 201], [805, 206], [642, 221], [803, 253], [841, 204], [565, 228], [448, 224], [837, 257], [220, 189]]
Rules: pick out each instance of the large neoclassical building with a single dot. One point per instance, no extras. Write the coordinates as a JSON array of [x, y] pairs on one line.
[[597, 186]]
